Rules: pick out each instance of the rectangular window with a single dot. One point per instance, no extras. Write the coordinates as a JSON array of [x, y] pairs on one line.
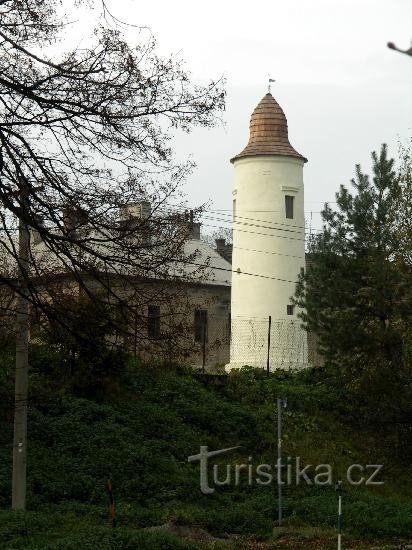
[[234, 208], [200, 325], [153, 321], [289, 200], [290, 309]]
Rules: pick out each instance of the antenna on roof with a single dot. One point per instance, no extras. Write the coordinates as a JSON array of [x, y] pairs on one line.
[[270, 82]]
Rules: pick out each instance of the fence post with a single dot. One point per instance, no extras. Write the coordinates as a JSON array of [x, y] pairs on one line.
[[339, 491], [268, 354]]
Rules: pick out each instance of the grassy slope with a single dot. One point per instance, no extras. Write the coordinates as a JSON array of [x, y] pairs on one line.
[[141, 435]]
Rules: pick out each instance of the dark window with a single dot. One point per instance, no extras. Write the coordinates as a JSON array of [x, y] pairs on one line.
[[153, 321], [289, 200], [200, 325], [290, 309]]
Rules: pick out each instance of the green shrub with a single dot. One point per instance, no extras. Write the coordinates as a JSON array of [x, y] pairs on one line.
[[140, 437]]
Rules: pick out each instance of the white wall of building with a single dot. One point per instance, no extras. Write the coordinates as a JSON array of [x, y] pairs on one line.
[[268, 254]]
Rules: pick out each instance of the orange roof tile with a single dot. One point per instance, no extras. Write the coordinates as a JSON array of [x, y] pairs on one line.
[[268, 132]]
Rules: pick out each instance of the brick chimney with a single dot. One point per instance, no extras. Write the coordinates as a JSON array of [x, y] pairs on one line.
[[73, 218], [225, 250], [135, 218], [195, 231], [136, 211], [194, 227]]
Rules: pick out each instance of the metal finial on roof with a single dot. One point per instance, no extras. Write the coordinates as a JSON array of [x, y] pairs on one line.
[[270, 82]]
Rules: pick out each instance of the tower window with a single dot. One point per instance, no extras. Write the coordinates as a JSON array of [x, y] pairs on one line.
[[153, 321], [290, 309], [200, 325], [234, 208], [289, 204]]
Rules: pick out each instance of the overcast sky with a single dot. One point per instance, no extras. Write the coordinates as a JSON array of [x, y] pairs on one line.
[[343, 91]]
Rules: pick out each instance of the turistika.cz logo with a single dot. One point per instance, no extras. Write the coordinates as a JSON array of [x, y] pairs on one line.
[[289, 471]]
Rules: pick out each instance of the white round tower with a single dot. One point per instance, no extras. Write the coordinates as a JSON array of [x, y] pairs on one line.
[[268, 245]]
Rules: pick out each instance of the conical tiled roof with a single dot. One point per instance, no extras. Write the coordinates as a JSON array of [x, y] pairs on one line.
[[268, 132]]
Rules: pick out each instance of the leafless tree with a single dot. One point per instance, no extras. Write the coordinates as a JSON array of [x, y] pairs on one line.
[[84, 134], [392, 46], [220, 233]]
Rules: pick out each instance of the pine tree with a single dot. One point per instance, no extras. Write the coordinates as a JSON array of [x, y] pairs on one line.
[[356, 292]]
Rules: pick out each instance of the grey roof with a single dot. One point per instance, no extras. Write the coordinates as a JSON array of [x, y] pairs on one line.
[[215, 269]]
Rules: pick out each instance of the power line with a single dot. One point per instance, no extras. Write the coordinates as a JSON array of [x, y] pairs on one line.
[[266, 252], [257, 233], [236, 216], [234, 219], [236, 271], [246, 224], [251, 210]]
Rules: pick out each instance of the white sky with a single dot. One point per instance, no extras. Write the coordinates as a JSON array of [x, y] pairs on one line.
[[343, 91]]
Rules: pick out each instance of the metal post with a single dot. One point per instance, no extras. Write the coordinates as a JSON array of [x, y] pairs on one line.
[[204, 347], [22, 363], [281, 402], [339, 490], [135, 334], [268, 354]]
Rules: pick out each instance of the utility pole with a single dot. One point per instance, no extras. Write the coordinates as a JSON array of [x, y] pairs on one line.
[[204, 338], [282, 403], [22, 360], [135, 333], [268, 350]]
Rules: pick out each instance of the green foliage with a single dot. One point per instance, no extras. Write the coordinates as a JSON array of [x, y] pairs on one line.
[[32, 531], [6, 385], [357, 288], [356, 292], [89, 341], [141, 436]]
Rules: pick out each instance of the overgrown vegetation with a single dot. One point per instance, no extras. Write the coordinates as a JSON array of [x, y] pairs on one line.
[[356, 293], [139, 432]]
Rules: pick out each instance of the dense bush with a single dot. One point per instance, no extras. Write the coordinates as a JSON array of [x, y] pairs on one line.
[[139, 433]]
